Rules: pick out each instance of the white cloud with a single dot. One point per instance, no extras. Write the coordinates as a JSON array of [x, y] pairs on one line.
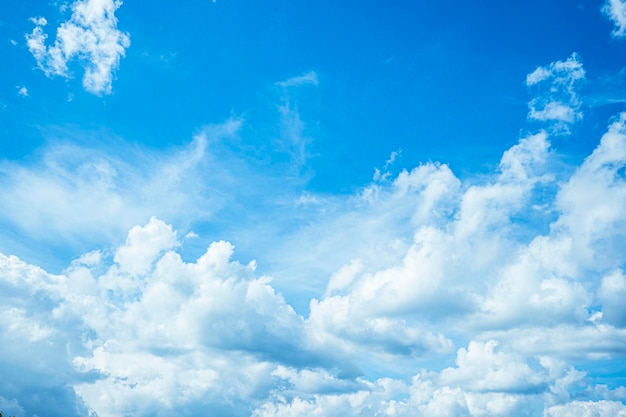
[[304, 79], [481, 368], [616, 11], [88, 195], [306, 199], [22, 91], [549, 280], [569, 341], [156, 332], [593, 202], [208, 329], [36, 344], [143, 246], [556, 99], [458, 234], [420, 266], [611, 294], [484, 383], [385, 174], [342, 279], [91, 35], [292, 141], [191, 235], [587, 409], [554, 111]]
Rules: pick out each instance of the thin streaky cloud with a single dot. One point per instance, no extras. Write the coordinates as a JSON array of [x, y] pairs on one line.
[[309, 78]]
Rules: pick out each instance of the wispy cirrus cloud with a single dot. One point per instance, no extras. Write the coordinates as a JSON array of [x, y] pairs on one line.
[[91, 36], [304, 79], [292, 140], [87, 194]]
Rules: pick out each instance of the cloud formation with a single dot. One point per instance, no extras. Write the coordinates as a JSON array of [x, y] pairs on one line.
[[22, 91], [448, 296], [557, 100], [90, 194], [139, 330], [90, 35], [616, 11]]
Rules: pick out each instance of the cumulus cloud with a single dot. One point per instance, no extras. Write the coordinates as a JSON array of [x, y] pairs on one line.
[[482, 368], [91, 35], [143, 245], [36, 345], [616, 11], [557, 100], [175, 327], [444, 256], [484, 383], [528, 298], [142, 331], [490, 296]]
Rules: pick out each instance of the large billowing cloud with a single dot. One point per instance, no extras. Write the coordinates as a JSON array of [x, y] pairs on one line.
[[490, 296], [91, 35]]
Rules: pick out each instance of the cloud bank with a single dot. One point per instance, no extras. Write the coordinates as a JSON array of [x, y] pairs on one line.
[[450, 296], [481, 314]]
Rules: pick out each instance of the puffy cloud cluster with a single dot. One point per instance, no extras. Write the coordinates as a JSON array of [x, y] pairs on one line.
[[484, 382], [149, 331], [91, 35], [559, 103]]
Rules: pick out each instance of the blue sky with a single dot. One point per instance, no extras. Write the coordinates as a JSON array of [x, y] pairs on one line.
[[292, 208]]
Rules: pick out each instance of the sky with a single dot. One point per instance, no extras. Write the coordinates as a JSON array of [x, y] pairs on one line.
[[290, 208]]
